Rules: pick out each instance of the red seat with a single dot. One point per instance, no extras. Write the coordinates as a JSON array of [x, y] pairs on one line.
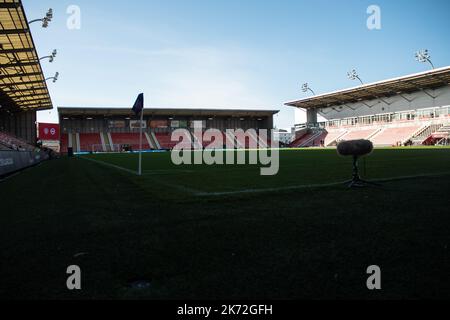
[[64, 143], [131, 139], [90, 142], [165, 141], [392, 136], [359, 134]]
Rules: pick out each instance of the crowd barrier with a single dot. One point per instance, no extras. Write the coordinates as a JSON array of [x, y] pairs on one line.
[[12, 161]]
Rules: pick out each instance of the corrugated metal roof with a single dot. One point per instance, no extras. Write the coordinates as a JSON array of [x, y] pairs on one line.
[[427, 80], [87, 111], [22, 82]]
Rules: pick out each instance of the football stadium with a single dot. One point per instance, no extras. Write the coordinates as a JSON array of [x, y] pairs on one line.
[[100, 190]]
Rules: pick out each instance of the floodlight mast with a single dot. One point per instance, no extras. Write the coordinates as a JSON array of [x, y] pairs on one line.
[[51, 57], [353, 75], [55, 78], [45, 20], [306, 88], [423, 56]]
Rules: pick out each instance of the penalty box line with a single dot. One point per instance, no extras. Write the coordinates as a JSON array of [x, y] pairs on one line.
[[311, 186], [170, 185]]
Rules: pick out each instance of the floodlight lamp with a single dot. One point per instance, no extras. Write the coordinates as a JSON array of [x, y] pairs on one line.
[[305, 87], [424, 56], [352, 74], [49, 14]]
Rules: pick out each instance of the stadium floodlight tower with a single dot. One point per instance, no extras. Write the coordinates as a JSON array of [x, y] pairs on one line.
[[51, 57], [55, 78], [353, 75], [306, 88], [45, 20], [423, 56]]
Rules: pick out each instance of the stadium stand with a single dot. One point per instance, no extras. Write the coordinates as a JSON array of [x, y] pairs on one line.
[[395, 136], [197, 140], [129, 139], [445, 130], [13, 143], [229, 140], [360, 134], [441, 136], [408, 110], [334, 136], [310, 139], [23, 91], [64, 143], [386, 135], [156, 143], [110, 129], [91, 142], [425, 134], [164, 140]]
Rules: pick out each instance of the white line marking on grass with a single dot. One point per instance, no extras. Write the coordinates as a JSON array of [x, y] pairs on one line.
[[111, 165], [250, 191], [425, 175], [146, 172], [163, 172], [309, 186], [170, 185], [180, 187], [304, 186]]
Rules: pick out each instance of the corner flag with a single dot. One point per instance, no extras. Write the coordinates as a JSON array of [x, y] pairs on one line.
[[139, 104], [138, 109]]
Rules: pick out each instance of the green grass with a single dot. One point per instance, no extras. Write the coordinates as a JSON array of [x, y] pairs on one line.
[[226, 231]]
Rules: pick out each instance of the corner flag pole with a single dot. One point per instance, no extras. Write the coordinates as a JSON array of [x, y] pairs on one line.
[[140, 144], [138, 108]]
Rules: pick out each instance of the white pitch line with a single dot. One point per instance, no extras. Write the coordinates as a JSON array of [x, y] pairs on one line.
[[111, 165], [146, 172], [249, 191], [180, 187], [163, 172], [170, 185], [306, 186]]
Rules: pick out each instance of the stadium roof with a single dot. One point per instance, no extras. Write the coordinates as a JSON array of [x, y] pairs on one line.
[[432, 79], [22, 82], [86, 111]]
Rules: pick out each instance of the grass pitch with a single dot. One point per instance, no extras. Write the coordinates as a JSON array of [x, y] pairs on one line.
[[227, 232]]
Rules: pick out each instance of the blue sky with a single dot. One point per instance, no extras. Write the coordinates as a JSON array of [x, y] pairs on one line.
[[230, 53]]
